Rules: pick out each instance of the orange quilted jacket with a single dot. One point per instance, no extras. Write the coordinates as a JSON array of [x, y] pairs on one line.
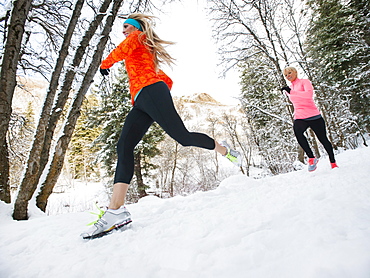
[[139, 63]]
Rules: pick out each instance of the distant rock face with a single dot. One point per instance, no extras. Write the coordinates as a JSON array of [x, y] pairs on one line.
[[200, 98], [203, 97]]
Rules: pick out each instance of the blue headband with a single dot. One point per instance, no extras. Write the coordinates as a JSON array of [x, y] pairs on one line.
[[134, 23]]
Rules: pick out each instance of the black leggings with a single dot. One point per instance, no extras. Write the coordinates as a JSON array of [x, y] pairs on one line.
[[153, 104], [318, 126]]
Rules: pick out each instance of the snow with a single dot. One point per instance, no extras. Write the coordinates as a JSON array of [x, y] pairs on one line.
[[300, 224]]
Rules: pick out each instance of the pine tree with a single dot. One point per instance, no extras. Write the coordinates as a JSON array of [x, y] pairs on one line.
[[268, 118], [110, 116], [360, 68], [81, 149], [338, 45]]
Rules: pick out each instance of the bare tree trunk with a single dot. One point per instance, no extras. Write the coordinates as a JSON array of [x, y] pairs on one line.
[[314, 143], [231, 125], [67, 84], [74, 113], [174, 168], [33, 173], [300, 154], [213, 122], [8, 70], [139, 177], [63, 97]]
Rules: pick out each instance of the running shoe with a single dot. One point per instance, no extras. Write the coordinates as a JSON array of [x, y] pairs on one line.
[[108, 221], [312, 164], [333, 165], [232, 155]]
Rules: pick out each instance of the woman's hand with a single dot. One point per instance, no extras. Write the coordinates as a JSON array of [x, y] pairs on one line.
[[104, 71], [286, 89]]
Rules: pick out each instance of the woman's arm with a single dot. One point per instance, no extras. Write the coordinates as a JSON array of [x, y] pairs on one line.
[[123, 50], [305, 89]]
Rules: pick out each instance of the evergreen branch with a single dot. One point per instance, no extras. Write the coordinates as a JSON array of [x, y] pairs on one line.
[[265, 112]]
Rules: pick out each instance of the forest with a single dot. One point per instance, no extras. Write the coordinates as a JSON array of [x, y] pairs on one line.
[[79, 123]]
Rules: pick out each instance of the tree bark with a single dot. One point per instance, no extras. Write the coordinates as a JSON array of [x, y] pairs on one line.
[[300, 154], [139, 176], [67, 85], [314, 143], [44, 194], [174, 166], [74, 113], [32, 174], [10, 61]]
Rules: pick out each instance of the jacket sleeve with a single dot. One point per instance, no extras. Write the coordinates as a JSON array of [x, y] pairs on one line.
[[123, 50], [165, 78]]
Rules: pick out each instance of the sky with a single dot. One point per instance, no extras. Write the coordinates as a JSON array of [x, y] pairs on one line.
[[299, 224], [196, 71]]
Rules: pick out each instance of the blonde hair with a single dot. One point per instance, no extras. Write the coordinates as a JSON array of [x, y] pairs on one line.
[[152, 41], [293, 69]]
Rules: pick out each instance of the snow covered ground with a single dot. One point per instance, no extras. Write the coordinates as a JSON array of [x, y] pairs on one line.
[[300, 224]]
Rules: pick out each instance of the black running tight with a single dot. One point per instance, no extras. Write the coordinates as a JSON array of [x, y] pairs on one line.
[[153, 104], [318, 126]]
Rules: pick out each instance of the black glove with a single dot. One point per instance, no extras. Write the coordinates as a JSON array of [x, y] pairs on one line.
[[287, 89], [104, 71]]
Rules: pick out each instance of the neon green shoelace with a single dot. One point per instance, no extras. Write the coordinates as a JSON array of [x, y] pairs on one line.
[[100, 214]]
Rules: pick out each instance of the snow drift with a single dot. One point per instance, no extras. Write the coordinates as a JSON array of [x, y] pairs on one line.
[[298, 224]]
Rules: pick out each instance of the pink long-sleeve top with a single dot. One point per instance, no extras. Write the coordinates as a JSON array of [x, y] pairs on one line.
[[301, 95]]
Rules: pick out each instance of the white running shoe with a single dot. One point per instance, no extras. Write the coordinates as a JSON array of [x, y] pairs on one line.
[[109, 221], [234, 156]]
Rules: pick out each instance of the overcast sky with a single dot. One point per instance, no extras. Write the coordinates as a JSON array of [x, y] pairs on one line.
[[195, 52], [196, 68]]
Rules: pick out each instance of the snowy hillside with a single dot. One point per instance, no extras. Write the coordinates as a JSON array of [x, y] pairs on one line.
[[306, 225]]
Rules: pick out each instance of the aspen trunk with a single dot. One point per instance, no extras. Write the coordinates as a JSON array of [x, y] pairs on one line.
[[74, 113], [8, 72], [33, 171]]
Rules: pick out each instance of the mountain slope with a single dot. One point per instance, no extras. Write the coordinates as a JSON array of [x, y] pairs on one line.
[[294, 225]]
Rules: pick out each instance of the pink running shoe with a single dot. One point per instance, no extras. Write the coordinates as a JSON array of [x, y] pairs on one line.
[[334, 165], [312, 164]]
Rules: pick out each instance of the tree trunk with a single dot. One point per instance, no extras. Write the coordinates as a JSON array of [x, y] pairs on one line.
[[8, 70], [174, 168], [74, 113], [300, 154], [62, 99], [33, 171], [314, 143], [139, 176], [67, 84]]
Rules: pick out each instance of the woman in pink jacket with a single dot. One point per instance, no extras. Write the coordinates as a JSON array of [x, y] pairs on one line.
[[306, 115]]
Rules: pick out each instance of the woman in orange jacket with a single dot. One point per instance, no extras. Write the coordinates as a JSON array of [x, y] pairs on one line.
[[143, 51]]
